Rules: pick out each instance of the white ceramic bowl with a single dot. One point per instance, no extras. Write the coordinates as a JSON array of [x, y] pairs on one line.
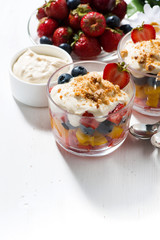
[[34, 94]]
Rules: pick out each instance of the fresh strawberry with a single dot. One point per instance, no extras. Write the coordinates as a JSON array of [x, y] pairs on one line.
[[110, 38], [41, 12], [76, 15], [88, 120], [120, 9], [86, 1], [62, 35], [117, 74], [117, 116], [85, 46], [74, 20], [93, 24], [57, 9], [46, 27], [143, 33], [103, 5]]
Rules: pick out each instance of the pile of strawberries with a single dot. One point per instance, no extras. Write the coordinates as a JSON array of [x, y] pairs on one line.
[[81, 25]]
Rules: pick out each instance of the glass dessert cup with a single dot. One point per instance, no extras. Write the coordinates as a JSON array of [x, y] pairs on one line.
[[107, 132], [147, 97]]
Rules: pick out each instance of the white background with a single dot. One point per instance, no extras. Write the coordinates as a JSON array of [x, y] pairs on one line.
[[46, 193]]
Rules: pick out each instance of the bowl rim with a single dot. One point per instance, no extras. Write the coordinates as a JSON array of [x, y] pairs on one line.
[[129, 67], [20, 52], [94, 117]]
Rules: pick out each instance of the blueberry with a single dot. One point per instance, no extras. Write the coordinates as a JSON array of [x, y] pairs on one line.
[[126, 28], [66, 47], [72, 4], [105, 127], [64, 78], [78, 70], [139, 81], [45, 40], [67, 125], [87, 130], [152, 81], [113, 21]]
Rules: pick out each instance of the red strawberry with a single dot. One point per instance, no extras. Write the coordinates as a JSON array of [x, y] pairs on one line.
[[57, 9], [93, 24], [143, 33], [120, 9], [116, 118], [62, 35], [86, 1], [110, 38], [76, 15], [46, 27], [103, 5], [117, 74], [86, 47], [41, 12], [88, 120], [74, 20]]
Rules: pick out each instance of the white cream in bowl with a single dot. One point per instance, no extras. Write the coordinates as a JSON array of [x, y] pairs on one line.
[[30, 70]]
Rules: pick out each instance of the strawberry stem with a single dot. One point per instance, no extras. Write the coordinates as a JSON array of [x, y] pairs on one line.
[[122, 67]]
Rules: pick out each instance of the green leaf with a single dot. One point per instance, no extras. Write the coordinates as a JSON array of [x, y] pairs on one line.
[[154, 2], [134, 6]]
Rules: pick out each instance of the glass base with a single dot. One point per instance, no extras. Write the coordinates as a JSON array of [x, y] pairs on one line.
[[92, 153], [154, 112]]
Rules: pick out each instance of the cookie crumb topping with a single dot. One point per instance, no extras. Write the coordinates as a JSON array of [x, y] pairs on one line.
[[145, 53], [95, 89]]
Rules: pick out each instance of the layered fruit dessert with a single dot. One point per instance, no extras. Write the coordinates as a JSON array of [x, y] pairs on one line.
[[141, 51], [90, 110]]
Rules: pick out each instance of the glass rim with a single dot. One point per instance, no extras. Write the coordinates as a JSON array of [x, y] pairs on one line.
[[129, 67], [98, 117]]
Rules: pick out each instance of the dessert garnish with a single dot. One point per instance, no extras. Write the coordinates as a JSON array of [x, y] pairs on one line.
[[144, 32], [116, 73]]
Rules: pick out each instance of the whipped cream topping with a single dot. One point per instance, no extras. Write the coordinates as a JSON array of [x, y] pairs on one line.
[[143, 56], [36, 68], [90, 93]]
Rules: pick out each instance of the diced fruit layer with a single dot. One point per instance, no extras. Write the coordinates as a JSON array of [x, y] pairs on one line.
[[78, 139], [149, 94], [95, 140]]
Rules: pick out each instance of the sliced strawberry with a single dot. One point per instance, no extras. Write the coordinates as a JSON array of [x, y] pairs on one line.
[[116, 118], [143, 33], [88, 120], [117, 74]]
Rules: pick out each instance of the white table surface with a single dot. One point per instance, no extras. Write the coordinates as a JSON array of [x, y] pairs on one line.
[[46, 193]]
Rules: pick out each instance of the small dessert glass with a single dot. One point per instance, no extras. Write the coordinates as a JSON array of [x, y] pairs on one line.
[[106, 133], [147, 98]]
